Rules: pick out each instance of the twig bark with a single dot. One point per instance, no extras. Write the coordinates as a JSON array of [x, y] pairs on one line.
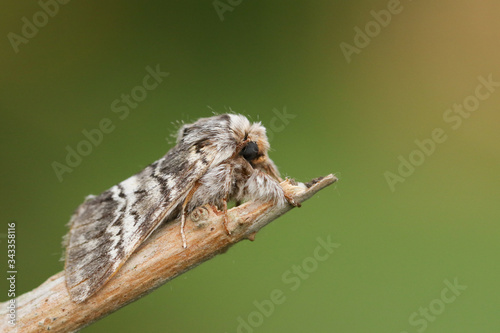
[[158, 260]]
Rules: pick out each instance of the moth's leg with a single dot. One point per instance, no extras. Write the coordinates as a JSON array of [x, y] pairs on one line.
[[265, 187], [292, 202], [227, 189], [226, 218], [184, 212]]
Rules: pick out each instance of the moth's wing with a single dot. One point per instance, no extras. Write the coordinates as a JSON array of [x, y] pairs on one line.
[[106, 229]]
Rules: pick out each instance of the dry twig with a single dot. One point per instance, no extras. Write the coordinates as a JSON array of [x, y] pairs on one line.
[[158, 260]]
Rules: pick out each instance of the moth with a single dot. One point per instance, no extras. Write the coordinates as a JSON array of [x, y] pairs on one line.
[[216, 159]]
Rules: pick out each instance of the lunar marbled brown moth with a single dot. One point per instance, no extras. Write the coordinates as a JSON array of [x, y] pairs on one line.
[[217, 159]]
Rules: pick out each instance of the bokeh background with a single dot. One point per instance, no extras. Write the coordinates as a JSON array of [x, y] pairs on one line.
[[352, 118]]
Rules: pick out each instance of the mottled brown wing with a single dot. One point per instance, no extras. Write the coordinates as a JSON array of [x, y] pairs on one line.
[[107, 229]]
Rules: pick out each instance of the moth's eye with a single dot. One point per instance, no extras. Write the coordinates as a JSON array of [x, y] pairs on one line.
[[251, 151]]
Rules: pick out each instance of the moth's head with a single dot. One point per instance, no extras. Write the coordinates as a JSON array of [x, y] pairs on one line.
[[252, 144], [251, 139], [230, 135]]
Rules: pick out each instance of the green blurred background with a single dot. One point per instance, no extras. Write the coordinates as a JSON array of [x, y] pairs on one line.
[[353, 119]]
